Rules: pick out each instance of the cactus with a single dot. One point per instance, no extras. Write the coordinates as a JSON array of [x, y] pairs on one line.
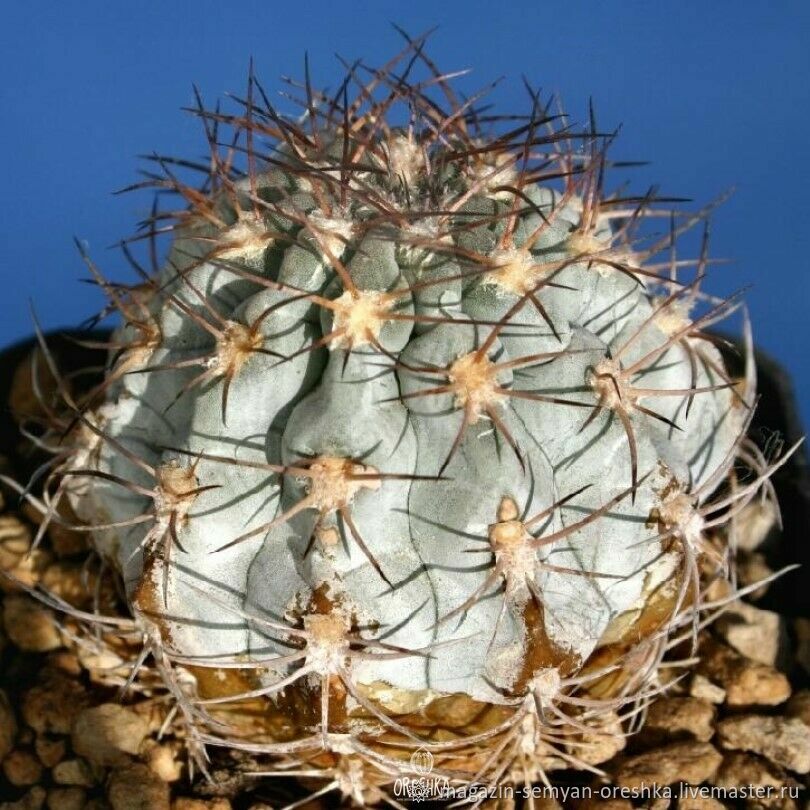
[[416, 441]]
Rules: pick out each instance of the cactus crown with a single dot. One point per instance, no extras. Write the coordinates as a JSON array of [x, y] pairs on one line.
[[416, 438]]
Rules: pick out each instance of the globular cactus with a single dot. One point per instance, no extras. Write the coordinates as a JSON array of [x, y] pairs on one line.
[[416, 440]]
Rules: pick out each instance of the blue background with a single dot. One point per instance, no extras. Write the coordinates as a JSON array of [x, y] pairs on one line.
[[716, 94]]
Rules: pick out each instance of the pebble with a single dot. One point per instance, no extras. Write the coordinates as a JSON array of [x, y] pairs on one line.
[[799, 706], [49, 751], [15, 543], [74, 772], [66, 542], [752, 568], [163, 761], [69, 581], [70, 798], [153, 712], [701, 687], [692, 762], [108, 734], [51, 706], [27, 394], [100, 657], [740, 770], [136, 787], [8, 725], [201, 804], [757, 634], [29, 625], [747, 683], [33, 800], [672, 718], [755, 523], [784, 741], [600, 747], [66, 662], [22, 768]]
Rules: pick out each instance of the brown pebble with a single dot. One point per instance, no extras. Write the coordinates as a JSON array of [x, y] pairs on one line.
[[701, 687], [753, 568], [672, 718], [8, 725], [756, 634], [201, 804], [153, 713], [747, 683], [137, 788], [799, 706], [66, 798], [692, 762], [164, 762], [30, 625], [719, 589], [15, 540], [66, 542], [51, 706], [71, 582], [33, 386], [15, 543], [784, 741], [49, 751], [785, 802], [65, 661], [22, 768], [754, 523], [603, 744], [74, 772], [103, 665], [745, 770], [108, 734], [33, 800]]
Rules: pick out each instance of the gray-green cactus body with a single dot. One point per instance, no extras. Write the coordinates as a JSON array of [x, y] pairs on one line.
[[428, 421]]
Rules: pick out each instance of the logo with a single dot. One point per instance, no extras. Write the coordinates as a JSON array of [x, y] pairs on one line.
[[421, 762], [423, 786]]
